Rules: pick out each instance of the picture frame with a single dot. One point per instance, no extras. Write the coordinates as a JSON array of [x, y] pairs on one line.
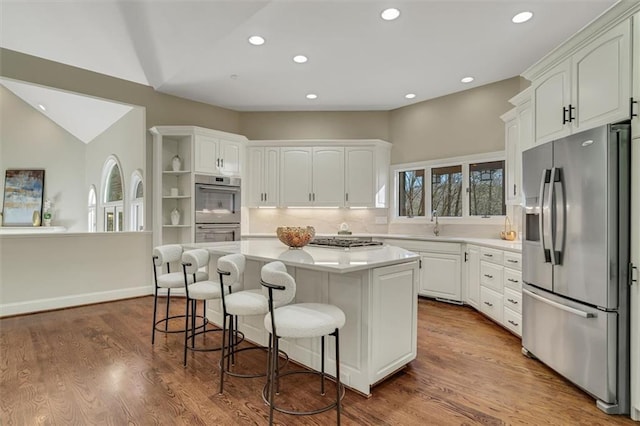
[[23, 195]]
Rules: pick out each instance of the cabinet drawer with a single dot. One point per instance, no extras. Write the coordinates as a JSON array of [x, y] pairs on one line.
[[513, 321], [491, 276], [513, 260], [513, 279], [491, 255], [491, 303], [513, 300]]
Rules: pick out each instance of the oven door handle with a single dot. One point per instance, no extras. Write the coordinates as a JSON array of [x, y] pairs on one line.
[[218, 188], [222, 225]]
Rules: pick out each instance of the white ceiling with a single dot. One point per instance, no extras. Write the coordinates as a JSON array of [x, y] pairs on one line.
[[356, 61]]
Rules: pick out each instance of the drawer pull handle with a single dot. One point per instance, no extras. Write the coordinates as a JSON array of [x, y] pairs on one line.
[[488, 276], [488, 304], [512, 280], [513, 323], [512, 261], [488, 255], [515, 302]]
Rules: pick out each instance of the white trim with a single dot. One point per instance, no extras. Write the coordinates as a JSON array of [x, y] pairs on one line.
[[37, 305]]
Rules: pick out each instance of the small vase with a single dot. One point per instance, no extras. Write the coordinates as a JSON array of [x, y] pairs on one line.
[[46, 218], [176, 163], [35, 218], [175, 216]]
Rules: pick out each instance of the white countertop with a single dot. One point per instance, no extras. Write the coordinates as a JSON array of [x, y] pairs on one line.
[[337, 260], [515, 246]]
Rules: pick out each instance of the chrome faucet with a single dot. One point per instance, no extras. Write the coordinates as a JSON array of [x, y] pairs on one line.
[[436, 227]]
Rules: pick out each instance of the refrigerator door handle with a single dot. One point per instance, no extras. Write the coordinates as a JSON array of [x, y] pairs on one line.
[[565, 308], [559, 216], [542, 220]]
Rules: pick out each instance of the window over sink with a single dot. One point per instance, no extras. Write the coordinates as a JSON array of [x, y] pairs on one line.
[[463, 187]]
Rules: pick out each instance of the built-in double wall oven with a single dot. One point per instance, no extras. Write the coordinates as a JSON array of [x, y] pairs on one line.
[[217, 208]]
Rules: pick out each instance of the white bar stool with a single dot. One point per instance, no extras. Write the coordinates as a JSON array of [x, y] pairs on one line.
[[300, 320], [234, 304], [165, 256], [203, 290]]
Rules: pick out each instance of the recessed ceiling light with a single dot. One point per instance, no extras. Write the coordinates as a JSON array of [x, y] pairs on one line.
[[42, 107], [467, 80], [256, 40], [522, 17], [390, 14], [300, 59], [312, 96], [410, 95]]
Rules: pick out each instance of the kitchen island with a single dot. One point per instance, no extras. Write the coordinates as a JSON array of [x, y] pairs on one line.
[[376, 287]]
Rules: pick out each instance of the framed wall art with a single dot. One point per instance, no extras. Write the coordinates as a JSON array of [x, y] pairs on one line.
[[23, 193]]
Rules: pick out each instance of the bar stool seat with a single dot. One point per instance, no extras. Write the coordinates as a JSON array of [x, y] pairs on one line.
[[247, 302], [306, 320]]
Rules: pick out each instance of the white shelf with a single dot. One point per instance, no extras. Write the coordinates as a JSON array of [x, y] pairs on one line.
[[175, 197], [178, 173], [176, 226]]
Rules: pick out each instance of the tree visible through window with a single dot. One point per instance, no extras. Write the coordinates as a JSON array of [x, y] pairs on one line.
[[113, 198], [411, 193], [446, 190], [486, 189]]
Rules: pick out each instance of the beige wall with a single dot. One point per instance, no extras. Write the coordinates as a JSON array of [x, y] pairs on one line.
[[315, 125], [161, 109], [463, 123]]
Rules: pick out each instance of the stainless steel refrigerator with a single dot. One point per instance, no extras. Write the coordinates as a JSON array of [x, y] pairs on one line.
[[575, 254]]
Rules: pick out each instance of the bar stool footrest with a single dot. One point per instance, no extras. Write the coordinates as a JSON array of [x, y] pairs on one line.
[[161, 322], [254, 375], [213, 349]]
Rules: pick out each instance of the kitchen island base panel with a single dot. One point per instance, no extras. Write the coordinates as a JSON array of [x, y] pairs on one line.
[[380, 334]]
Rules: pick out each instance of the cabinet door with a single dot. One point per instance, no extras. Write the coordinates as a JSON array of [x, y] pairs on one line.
[[295, 176], [552, 93], [601, 76], [230, 157], [512, 148], [206, 154], [525, 127], [440, 276], [271, 168], [255, 176], [473, 276], [360, 178], [328, 176], [635, 120]]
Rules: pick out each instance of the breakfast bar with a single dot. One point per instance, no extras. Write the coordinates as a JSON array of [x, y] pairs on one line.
[[376, 287]]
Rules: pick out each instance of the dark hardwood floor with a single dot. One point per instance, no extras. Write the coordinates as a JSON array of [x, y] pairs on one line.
[[96, 365]]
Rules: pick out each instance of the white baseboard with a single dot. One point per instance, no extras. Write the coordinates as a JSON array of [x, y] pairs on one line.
[[69, 301]]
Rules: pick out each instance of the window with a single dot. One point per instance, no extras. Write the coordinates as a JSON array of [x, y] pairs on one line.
[[411, 193], [137, 202], [462, 187], [92, 210], [486, 189], [446, 190], [113, 196]]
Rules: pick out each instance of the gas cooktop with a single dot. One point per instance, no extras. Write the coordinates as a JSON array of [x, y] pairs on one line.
[[344, 242]]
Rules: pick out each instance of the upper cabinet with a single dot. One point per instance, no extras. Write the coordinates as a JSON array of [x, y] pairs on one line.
[[518, 137], [336, 173], [588, 88], [218, 156]]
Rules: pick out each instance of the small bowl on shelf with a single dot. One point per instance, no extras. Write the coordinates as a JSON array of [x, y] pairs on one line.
[[295, 236]]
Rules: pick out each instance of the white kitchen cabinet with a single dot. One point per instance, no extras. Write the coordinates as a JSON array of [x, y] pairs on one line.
[[200, 152], [360, 176], [263, 176], [472, 276], [217, 156], [441, 271], [312, 176], [513, 153], [587, 89], [440, 276]]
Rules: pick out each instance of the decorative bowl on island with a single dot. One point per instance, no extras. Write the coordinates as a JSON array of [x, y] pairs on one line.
[[295, 236]]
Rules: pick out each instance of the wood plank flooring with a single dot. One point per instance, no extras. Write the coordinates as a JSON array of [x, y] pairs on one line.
[[96, 365]]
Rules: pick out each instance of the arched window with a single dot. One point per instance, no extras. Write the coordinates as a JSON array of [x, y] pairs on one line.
[[113, 196], [137, 202], [92, 210]]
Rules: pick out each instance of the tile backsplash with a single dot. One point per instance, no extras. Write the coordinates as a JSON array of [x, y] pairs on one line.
[[364, 221]]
